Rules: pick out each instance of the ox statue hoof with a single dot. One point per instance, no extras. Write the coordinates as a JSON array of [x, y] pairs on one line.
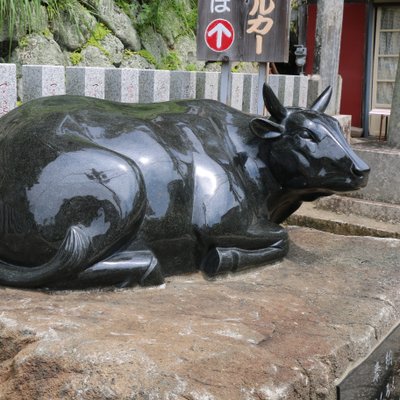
[[224, 260]]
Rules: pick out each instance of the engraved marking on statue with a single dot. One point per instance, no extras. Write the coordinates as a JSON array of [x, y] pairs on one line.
[[94, 192], [261, 24]]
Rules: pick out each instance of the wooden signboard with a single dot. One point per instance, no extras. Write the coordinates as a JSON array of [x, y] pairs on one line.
[[243, 30]]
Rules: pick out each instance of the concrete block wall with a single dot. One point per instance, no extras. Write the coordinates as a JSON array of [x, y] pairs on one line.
[[142, 86]]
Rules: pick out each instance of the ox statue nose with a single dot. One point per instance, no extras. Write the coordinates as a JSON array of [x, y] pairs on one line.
[[360, 170]]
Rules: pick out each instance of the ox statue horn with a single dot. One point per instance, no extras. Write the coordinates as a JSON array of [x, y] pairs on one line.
[[322, 101], [274, 106]]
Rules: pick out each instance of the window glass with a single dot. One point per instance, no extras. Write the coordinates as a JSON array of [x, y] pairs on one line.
[[387, 49]]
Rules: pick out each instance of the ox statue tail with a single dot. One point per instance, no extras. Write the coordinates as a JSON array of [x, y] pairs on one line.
[[71, 258]]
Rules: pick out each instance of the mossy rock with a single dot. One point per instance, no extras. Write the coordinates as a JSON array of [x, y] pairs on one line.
[[117, 21], [135, 60], [38, 49], [186, 49], [171, 26], [113, 48], [154, 43], [73, 35], [94, 57]]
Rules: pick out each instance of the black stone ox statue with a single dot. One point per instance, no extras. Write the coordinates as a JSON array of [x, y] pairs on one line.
[[95, 193]]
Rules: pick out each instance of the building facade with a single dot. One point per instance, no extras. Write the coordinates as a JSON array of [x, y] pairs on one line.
[[369, 53]]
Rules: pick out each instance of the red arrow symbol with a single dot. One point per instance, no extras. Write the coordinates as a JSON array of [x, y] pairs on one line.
[[219, 35], [219, 30]]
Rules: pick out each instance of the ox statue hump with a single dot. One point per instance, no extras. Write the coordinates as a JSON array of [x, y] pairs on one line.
[[95, 193]]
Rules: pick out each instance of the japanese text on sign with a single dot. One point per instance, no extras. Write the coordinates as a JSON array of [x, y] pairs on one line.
[[243, 30], [220, 6], [260, 24]]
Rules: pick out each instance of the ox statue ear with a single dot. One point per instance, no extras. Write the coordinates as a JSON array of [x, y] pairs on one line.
[[323, 100], [273, 105], [265, 128]]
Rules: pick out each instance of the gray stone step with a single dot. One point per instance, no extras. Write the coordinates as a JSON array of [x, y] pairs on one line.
[[376, 210], [311, 216]]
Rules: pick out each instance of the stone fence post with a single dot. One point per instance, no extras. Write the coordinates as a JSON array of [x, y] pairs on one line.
[[122, 84], [85, 81], [8, 88], [42, 81], [154, 85], [183, 85]]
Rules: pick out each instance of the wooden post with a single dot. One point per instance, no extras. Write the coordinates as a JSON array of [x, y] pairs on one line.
[[302, 23], [327, 46], [226, 83], [263, 71]]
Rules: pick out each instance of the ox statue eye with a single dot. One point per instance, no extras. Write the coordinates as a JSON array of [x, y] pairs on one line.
[[306, 134]]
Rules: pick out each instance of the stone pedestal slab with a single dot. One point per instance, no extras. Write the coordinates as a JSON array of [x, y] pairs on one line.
[[285, 331]]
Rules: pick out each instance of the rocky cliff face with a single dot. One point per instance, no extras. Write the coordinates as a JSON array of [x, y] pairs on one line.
[[108, 33]]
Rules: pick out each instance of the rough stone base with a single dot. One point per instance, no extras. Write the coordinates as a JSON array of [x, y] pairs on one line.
[[286, 331]]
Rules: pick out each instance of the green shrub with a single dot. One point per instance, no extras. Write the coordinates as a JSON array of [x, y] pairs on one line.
[[21, 12], [128, 53], [191, 67], [99, 33], [75, 57], [26, 14], [171, 61], [23, 42], [152, 13], [147, 56]]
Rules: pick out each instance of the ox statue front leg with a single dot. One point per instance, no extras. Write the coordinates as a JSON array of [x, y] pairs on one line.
[[261, 244]]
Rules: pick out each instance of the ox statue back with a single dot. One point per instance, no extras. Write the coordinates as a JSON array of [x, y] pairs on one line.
[[95, 193]]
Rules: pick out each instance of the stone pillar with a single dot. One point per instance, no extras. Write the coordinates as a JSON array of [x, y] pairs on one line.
[[42, 81], [122, 85], [8, 88], [250, 93], [394, 122], [85, 81], [154, 86], [237, 91], [183, 85], [327, 46], [207, 84]]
